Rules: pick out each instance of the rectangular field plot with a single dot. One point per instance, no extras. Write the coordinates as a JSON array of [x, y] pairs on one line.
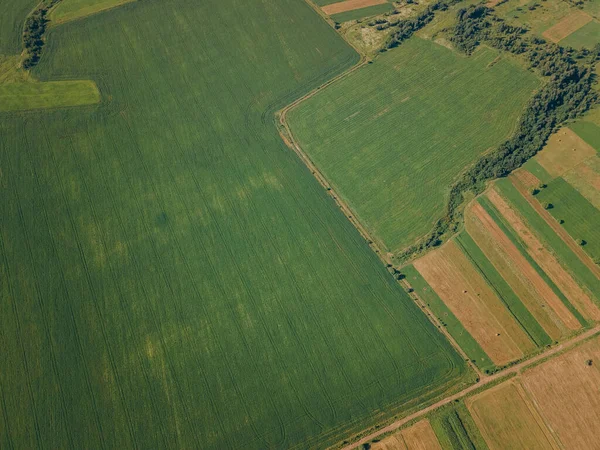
[[564, 150], [419, 436], [474, 303], [51, 94], [566, 26], [508, 420], [393, 135], [171, 274], [565, 391], [580, 217], [585, 37]]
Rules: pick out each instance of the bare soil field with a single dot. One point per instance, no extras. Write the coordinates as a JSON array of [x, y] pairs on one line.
[[538, 297], [472, 301], [566, 391], [545, 259], [566, 26], [563, 152], [349, 5], [521, 179], [507, 419]]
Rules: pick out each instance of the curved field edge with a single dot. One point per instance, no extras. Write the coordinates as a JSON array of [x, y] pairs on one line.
[[154, 243], [67, 10], [376, 134]]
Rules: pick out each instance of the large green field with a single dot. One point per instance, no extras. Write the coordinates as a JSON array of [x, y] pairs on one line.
[[392, 136], [171, 275]]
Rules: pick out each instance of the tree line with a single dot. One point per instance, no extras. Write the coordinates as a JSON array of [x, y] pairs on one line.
[[566, 95], [33, 33]]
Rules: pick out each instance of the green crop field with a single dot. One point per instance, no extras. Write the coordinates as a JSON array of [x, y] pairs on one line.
[[588, 131], [75, 9], [580, 217], [171, 274], [362, 12], [11, 24], [586, 37], [392, 136], [53, 94]]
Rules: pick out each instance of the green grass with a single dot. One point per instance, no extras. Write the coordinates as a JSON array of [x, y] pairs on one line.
[[586, 37], [536, 169], [504, 292], [362, 12], [544, 232], [171, 274], [452, 324], [53, 94], [514, 238], [68, 10], [12, 18], [392, 136], [456, 429], [581, 218], [588, 131]]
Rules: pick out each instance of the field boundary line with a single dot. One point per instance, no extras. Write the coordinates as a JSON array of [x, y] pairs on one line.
[[516, 369]]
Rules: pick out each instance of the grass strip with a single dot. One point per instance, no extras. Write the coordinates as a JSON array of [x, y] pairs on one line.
[[504, 292]]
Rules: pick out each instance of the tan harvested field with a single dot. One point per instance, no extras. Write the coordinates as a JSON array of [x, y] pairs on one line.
[[349, 5], [566, 26], [421, 436], [471, 300], [507, 420], [393, 442], [563, 152], [586, 179], [520, 179], [546, 260], [536, 295], [566, 391]]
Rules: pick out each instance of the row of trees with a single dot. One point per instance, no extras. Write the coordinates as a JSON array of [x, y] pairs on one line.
[[567, 93], [407, 27], [33, 33]]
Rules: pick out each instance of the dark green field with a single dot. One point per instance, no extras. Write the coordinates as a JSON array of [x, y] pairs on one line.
[[171, 275]]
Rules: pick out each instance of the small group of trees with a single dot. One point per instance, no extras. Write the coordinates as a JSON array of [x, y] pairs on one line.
[[33, 33], [567, 94]]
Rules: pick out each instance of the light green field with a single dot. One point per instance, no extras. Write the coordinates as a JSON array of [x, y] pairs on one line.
[[392, 136], [171, 275], [586, 37], [588, 131], [362, 12], [580, 216], [52, 94], [76, 9], [456, 429]]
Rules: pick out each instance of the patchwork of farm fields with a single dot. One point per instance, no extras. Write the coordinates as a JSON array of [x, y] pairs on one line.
[[515, 270], [392, 136], [171, 275]]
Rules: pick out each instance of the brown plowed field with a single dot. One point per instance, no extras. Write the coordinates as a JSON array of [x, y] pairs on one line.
[[519, 178], [540, 300], [507, 420], [566, 391], [349, 5], [393, 442], [545, 259], [466, 293], [421, 437], [563, 152], [566, 26]]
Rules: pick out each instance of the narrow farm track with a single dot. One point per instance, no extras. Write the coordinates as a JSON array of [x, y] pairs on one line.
[[488, 380]]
